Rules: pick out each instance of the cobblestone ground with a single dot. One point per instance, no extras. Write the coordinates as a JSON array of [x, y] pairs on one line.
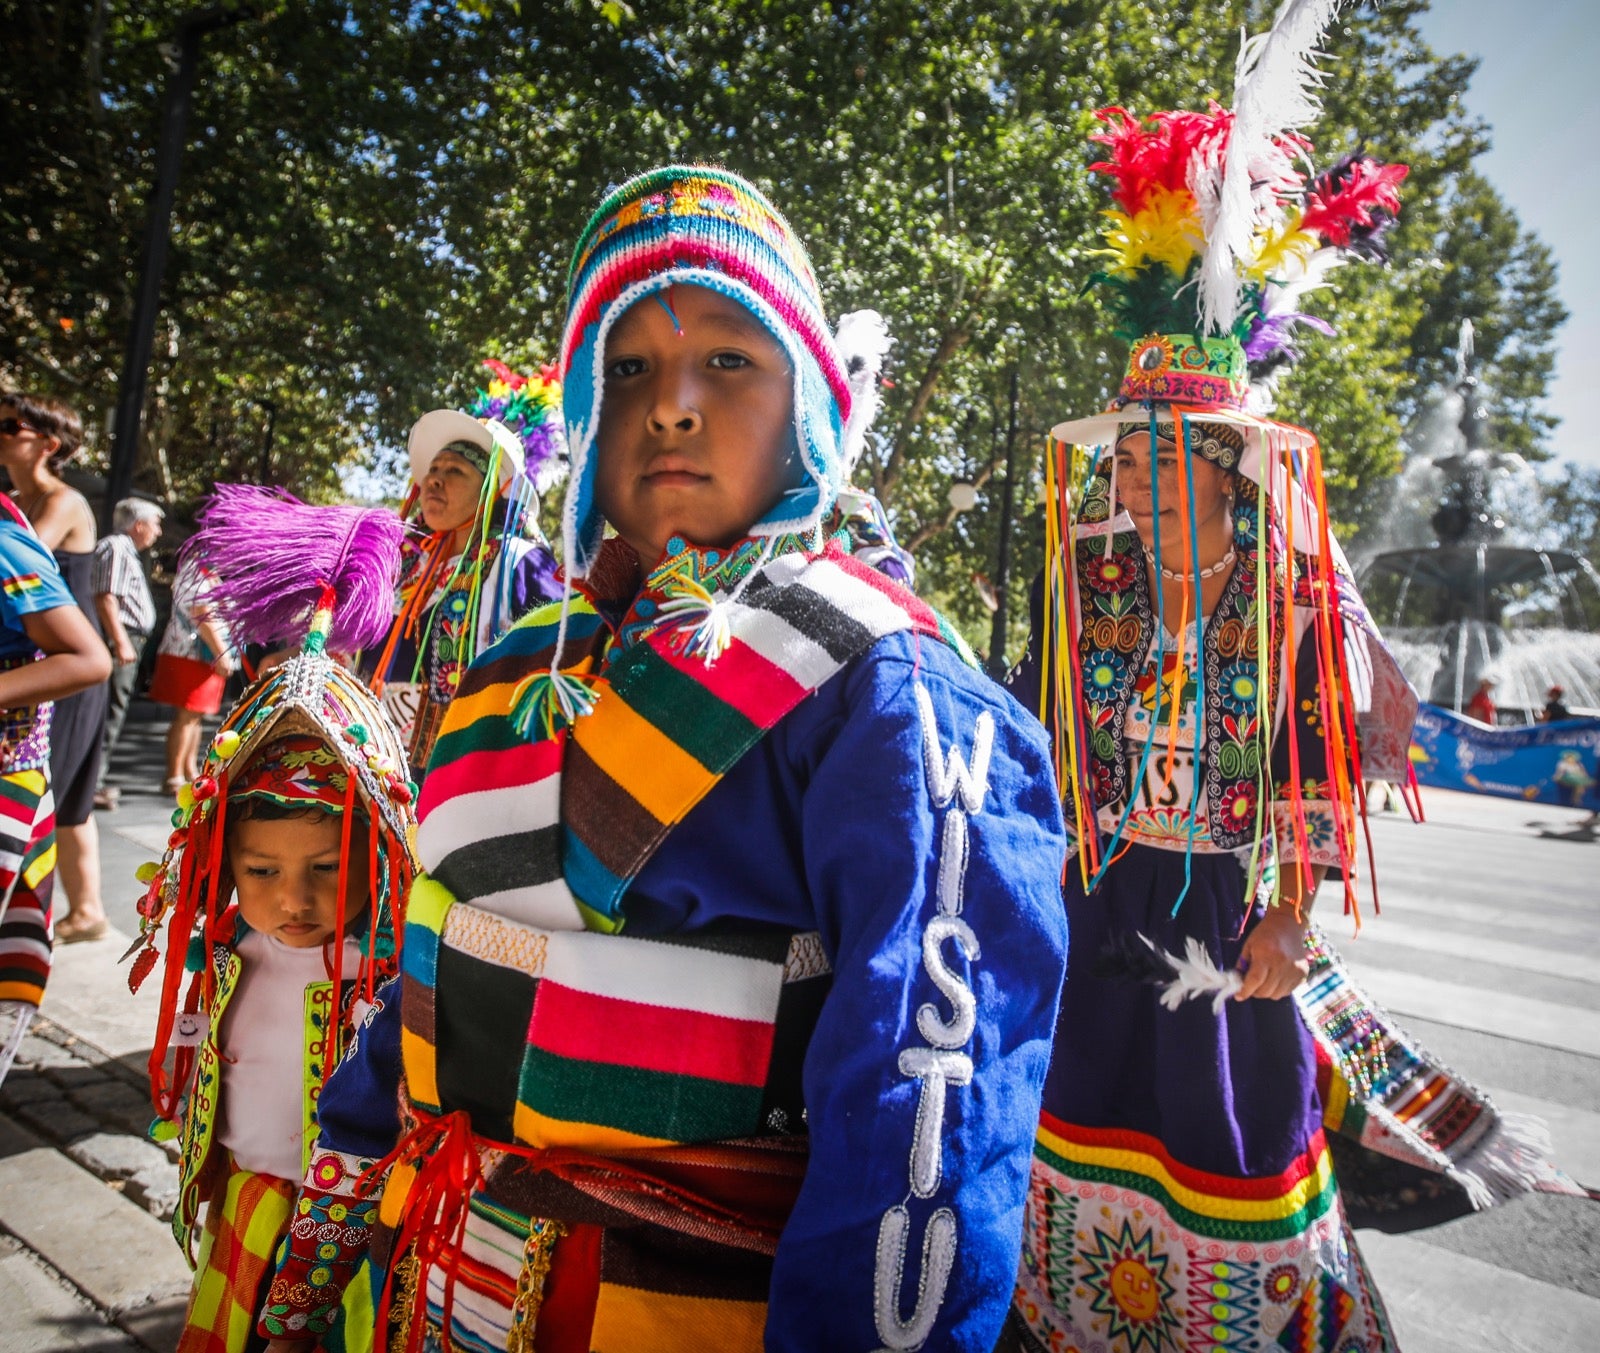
[[96, 1111]]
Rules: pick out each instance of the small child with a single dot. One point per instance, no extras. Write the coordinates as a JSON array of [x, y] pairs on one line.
[[727, 991], [288, 870]]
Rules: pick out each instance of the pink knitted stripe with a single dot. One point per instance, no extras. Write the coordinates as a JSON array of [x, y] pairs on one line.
[[633, 265]]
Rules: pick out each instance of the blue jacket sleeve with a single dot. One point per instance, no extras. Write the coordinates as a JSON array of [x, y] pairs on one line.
[[933, 852], [359, 1111]]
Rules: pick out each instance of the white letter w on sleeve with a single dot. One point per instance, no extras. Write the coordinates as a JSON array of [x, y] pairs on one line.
[[959, 787]]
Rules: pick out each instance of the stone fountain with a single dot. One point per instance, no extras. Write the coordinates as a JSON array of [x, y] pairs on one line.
[[1482, 599]]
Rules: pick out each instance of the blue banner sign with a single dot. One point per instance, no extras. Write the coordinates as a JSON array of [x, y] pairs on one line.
[[1542, 763]]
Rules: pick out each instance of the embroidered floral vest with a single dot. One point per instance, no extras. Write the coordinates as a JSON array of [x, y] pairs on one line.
[[1117, 624], [199, 1117]]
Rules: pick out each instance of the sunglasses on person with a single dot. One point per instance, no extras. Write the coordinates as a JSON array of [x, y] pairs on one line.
[[9, 427]]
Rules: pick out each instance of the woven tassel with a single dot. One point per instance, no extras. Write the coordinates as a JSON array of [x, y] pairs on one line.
[[316, 640], [548, 702], [703, 630]]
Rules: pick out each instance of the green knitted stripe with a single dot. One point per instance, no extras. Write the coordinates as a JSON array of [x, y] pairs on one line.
[[664, 1105], [710, 729]]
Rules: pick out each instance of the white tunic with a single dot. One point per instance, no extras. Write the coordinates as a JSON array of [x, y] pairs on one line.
[[261, 1116]]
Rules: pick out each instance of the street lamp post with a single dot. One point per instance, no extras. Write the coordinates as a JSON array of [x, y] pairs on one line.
[[134, 381]]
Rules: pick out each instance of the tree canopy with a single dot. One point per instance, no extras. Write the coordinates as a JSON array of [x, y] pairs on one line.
[[376, 195]]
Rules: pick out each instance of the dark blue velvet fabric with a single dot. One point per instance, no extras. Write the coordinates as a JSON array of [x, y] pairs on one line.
[[1234, 1095]]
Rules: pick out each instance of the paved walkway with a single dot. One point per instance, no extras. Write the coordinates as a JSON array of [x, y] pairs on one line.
[[1488, 949], [1488, 946]]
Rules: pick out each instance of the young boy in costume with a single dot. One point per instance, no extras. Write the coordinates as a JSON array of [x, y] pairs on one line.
[[280, 891], [727, 989]]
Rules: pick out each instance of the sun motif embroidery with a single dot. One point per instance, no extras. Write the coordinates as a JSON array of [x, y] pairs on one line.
[[1151, 356], [1167, 824], [1129, 1286], [1238, 690], [1282, 1284], [1239, 805], [1104, 670]]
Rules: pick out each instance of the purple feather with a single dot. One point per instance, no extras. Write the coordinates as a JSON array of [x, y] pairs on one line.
[[1271, 334], [273, 554], [1367, 242]]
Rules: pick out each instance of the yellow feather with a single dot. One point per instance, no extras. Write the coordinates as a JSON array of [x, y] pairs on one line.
[[1283, 250], [1165, 230]]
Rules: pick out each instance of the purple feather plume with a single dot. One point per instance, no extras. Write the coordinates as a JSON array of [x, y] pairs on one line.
[[1273, 333], [273, 554]]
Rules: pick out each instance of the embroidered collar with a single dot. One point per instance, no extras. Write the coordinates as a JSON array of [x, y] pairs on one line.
[[1117, 628], [633, 609]]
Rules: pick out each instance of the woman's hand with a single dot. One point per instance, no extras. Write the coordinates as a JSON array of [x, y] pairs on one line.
[[1273, 959]]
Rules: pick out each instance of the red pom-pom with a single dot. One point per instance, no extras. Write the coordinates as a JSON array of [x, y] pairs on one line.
[[205, 788]]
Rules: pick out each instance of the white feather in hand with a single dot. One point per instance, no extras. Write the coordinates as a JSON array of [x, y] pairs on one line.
[[1196, 977]]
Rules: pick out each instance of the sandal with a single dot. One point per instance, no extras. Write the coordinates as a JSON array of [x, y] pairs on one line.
[[67, 933]]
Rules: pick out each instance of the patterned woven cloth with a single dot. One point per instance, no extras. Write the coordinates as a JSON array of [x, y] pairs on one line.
[[27, 880], [247, 1217], [1127, 1248], [550, 832], [1381, 1089]]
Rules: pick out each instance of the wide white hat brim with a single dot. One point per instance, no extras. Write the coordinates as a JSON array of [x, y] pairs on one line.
[[437, 429]]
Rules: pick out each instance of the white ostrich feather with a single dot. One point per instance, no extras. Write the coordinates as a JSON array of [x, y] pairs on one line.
[[1282, 294], [864, 342], [1196, 977], [1274, 92]]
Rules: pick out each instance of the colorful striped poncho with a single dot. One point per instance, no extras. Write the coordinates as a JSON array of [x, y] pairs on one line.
[[650, 998]]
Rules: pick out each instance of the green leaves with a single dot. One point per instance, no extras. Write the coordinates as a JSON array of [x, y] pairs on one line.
[[376, 195]]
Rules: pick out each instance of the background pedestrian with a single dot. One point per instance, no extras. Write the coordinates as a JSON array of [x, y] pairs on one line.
[[48, 437], [127, 614]]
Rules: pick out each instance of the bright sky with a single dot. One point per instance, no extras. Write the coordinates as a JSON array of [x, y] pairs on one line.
[[1537, 89]]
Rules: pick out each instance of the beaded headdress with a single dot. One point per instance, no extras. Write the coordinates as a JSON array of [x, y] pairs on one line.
[[285, 570]]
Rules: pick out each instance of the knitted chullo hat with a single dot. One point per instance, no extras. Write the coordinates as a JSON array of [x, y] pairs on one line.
[[693, 225]]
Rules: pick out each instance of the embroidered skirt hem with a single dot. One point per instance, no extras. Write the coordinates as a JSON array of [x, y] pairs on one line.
[[1125, 1249]]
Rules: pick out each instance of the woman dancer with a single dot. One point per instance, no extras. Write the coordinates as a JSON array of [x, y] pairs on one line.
[[1195, 636], [478, 561]]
